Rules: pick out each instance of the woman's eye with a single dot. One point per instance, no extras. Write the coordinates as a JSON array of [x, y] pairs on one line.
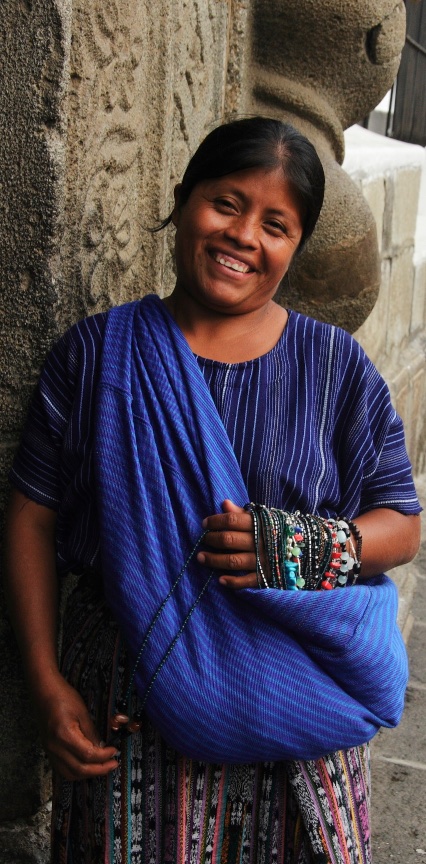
[[224, 202], [277, 226]]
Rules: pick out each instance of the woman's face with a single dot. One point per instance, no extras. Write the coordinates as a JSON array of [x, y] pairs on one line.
[[235, 238]]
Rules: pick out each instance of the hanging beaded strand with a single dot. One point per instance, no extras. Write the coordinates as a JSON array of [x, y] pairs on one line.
[[294, 551], [121, 724]]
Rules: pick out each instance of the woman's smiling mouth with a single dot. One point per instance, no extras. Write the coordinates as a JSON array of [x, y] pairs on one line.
[[231, 263]]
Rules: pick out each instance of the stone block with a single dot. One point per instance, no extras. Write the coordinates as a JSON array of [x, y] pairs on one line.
[[239, 59], [350, 56], [24, 776], [147, 83], [400, 302], [373, 190], [416, 433], [24, 779], [405, 580], [373, 333], [402, 401], [418, 315], [400, 213], [408, 391], [406, 201], [27, 841]]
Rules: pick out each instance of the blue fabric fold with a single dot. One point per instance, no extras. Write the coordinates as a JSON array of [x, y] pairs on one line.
[[257, 675]]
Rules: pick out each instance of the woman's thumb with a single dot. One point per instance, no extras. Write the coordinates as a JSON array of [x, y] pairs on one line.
[[228, 506]]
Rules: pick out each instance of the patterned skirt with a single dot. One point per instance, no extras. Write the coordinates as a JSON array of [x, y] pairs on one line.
[[159, 807]]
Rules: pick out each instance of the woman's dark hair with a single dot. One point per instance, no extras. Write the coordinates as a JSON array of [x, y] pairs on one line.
[[260, 142]]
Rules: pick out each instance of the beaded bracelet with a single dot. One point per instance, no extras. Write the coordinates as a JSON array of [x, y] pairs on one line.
[[357, 551], [303, 551]]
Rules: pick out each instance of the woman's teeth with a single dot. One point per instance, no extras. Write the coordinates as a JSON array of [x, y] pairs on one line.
[[242, 268]]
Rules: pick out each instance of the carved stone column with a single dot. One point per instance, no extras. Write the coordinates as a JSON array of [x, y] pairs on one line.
[[323, 65], [101, 104]]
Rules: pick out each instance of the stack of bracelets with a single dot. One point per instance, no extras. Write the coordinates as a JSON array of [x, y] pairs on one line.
[[304, 552]]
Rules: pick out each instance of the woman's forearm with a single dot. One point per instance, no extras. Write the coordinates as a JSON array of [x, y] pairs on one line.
[[31, 588], [389, 539], [67, 730]]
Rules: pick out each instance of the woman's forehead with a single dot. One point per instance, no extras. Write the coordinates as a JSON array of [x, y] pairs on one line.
[[267, 185]]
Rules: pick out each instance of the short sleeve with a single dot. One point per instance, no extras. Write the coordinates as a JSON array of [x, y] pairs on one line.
[[391, 483], [58, 424], [372, 443]]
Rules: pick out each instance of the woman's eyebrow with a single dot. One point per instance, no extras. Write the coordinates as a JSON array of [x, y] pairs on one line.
[[231, 190], [280, 211]]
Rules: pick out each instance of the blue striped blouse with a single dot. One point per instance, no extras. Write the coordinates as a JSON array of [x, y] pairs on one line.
[[311, 424]]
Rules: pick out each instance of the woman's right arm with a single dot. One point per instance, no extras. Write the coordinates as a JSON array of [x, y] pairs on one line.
[[67, 731]]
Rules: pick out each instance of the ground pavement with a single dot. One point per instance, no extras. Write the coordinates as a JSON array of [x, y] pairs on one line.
[[399, 755]]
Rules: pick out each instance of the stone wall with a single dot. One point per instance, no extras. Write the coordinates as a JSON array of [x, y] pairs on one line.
[[32, 131], [100, 106], [323, 66], [394, 335]]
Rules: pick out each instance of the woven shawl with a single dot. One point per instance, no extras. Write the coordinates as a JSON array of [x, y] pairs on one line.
[[226, 677]]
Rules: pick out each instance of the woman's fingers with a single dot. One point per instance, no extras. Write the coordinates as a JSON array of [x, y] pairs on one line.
[[229, 546], [77, 758], [88, 764], [224, 560], [233, 518], [249, 580], [242, 541], [73, 740], [231, 530], [70, 737]]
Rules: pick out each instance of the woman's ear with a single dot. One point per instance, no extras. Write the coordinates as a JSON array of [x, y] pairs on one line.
[[176, 208]]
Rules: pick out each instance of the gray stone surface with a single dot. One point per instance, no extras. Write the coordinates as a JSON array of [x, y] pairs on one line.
[[351, 61], [26, 841], [353, 51], [399, 755], [33, 38], [389, 174]]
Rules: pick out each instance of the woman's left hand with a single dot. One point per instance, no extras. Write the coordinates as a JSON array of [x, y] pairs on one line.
[[230, 546]]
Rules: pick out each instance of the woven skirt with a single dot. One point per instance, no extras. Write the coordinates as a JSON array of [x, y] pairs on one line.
[[159, 807]]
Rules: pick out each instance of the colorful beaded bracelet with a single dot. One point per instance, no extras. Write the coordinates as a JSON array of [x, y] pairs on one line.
[[296, 551]]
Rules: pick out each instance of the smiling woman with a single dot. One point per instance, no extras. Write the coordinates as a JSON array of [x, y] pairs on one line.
[[208, 708], [242, 211], [235, 238]]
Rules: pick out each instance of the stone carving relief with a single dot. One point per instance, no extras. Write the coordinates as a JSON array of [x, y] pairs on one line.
[[142, 75], [106, 80], [143, 94], [110, 231], [199, 43]]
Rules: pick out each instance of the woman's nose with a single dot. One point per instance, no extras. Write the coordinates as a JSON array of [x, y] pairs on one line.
[[243, 231]]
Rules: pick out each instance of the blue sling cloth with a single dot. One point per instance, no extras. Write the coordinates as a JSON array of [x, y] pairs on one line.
[[255, 676]]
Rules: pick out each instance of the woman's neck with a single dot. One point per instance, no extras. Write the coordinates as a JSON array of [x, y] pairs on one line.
[[229, 338]]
